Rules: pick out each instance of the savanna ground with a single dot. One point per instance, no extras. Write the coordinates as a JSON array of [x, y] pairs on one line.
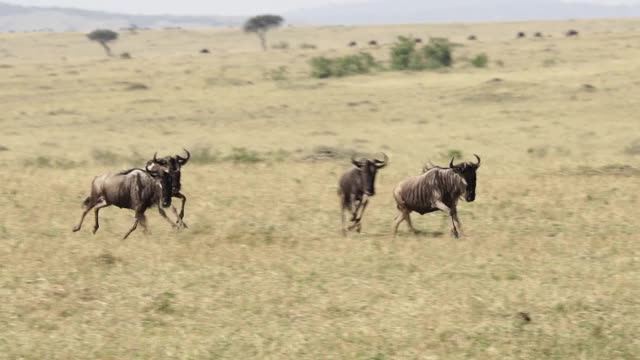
[[263, 272]]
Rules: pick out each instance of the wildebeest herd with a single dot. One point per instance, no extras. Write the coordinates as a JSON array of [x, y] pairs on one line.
[[436, 189], [472, 37]]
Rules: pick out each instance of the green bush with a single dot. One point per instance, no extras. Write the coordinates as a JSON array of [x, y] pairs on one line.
[[480, 61], [323, 67], [436, 54], [403, 54]]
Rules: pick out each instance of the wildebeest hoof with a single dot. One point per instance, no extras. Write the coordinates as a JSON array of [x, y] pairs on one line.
[[76, 229], [94, 231], [455, 234]]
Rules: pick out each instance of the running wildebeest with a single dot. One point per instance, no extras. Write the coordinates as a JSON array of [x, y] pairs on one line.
[[472, 38], [174, 165], [355, 188], [521, 35], [418, 40], [538, 34], [352, 44], [134, 189], [373, 43], [436, 189], [572, 32]]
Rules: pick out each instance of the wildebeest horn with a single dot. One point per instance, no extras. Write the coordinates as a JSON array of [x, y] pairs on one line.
[[354, 161], [477, 157], [382, 163], [155, 159], [451, 163], [184, 160]]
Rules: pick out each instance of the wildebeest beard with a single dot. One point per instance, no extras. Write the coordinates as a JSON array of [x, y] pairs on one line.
[[165, 182], [167, 189]]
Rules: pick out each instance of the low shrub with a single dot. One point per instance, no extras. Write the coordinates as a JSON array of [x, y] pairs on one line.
[[437, 53], [323, 67], [480, 61]]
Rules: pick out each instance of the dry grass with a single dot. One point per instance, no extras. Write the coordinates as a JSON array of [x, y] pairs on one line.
[[262, 271]]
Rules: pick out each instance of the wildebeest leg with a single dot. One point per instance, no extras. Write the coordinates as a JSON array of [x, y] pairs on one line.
[[139, 217], [454, 217], [184, 201], [179, 222], [363, 206], [143, 222], [84, 213], [358, 221], [354, 208], [456, 223], [164, 215], [408, 216], [343, 218], [98, 207], [404, 215]]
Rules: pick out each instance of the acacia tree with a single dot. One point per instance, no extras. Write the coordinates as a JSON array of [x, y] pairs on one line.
[[102, 37], [261, 24]]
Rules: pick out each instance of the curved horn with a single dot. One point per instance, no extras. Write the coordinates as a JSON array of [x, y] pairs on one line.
[[384, 162], [155, 159], [451, 163], [184, 160], [477, 157], [354, 161]]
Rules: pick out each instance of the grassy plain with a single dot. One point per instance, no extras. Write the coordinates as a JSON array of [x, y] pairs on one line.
[[263, 272]]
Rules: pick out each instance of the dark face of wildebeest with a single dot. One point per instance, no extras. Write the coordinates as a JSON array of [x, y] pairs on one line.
[[173, 164], [166, 182], [468, 172], [368, 171]]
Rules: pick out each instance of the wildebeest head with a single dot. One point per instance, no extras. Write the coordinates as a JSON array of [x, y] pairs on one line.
[[368, 171], [468, 172], [173, 164], [159, 169]]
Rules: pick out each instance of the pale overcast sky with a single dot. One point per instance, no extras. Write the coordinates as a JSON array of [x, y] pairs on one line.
[[209, 7]]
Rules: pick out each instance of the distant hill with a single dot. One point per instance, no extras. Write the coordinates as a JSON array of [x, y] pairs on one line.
[[422, 11], [23, 18]]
